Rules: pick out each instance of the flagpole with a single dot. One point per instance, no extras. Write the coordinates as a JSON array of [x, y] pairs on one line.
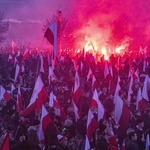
[[59, 21]]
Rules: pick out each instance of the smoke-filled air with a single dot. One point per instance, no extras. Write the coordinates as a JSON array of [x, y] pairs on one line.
[[96, 23]]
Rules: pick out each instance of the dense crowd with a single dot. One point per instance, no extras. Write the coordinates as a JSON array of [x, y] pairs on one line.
[[70, 134]]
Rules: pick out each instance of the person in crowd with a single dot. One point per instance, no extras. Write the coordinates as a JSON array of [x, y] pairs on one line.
[[33, 140], [101, 138], [131, 144], [113, 145]]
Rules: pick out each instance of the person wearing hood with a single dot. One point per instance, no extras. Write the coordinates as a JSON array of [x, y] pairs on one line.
[[113, 143], [33, 140]]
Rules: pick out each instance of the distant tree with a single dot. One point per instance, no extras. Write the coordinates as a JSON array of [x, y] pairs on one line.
[[4, 25]]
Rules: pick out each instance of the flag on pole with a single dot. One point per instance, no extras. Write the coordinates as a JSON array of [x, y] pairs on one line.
[[5, 144], [98, 105], [19, 104], [77, 89], [44, 123], [122, 114], [51, 35], [39, 96], [59, 111], [92, 125], [26, 54], [4, 94]]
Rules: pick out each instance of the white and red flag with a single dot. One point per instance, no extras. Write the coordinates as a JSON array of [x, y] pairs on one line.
[[19, 103], [92, 125], [77, 89], [76, 111], [51, 35], [5, 145], [141, 103], [39, 96], [17, 72], [122, 115], [44, 123], [96, 104], [90, 74], [26, 54], [4, 94], [59, 111]]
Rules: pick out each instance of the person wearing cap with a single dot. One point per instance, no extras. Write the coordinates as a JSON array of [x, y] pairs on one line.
[[33, 140]]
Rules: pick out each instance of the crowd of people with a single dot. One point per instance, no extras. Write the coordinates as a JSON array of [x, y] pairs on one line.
[[70, 134]]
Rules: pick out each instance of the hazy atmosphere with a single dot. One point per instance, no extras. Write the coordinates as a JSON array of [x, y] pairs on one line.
[[28, 17]]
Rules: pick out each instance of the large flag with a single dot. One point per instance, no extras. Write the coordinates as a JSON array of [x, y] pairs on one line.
[[39, 96], [96, 104], [92, 125], [5, 144], [141, 103], [51, 35], [59, 111], [4, 94], [77, 89], [76, 111], [17, 72], [44, 123], [122, 114]]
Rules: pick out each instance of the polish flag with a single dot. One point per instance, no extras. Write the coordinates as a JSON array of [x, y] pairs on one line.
[[51, 75], [12, 87], [44, 123], [5, 144], [98, 105], [145, 89], [39, 96], [77, 90], [130, 91], [51, 35], [118, 88], [10, 59], [92, 125], [87, 144], [17, 72], [26, 54], [94, 82], [122, 115], [106, 71], [4, 94], [59, 111], [141, 103], [76, 111], [90, 74], [19, 104]]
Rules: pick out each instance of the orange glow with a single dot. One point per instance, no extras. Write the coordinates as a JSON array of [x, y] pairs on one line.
[[105, 53], [120, 49]]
